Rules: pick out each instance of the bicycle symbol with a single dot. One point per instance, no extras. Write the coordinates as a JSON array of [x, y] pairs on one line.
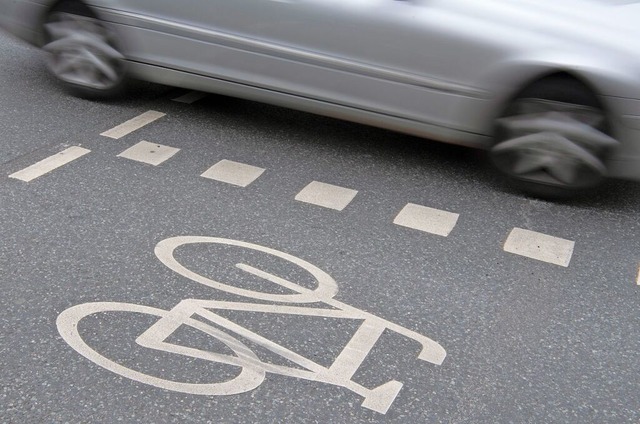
[[252, 369]]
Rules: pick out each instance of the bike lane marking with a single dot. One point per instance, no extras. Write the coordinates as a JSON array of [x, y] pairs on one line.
[[235, 173], [326, 195], [133, 124], [253, 369], [434, 221], [539, 246], [150, 153], [429, 220], [49, 164]]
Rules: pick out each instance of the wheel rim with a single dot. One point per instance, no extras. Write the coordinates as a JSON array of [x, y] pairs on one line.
[[553, 143], [82, 52]]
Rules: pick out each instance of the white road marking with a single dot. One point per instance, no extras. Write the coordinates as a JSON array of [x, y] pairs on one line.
[[326, 195], [235, 173], [133, 124], [539, 246], [426, 219], [191, 97], [49, 164], [151, 153], [201, 314], [357, 350]]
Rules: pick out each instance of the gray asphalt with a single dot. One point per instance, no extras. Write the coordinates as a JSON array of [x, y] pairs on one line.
[[526, 341]]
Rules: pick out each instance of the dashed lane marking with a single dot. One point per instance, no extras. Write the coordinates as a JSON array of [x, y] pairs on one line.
[[326, 195], [151, 153], [235, 173], [540, 246], [427, 219], [133, 124], [190, 97], [49, 164], [522, 242]]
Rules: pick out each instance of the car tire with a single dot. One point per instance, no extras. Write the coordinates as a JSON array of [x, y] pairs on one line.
[[553, 140], [82, 53]]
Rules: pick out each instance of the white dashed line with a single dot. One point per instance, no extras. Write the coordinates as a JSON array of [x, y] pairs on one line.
[[49, 164], [539, 246], [133, 124], [191, 97], [521, 242], [151, 153], [235, 173], [426, 219], [326, 195]]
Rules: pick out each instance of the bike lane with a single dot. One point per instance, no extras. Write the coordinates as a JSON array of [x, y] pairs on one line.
[[509, 338], [525, 340]]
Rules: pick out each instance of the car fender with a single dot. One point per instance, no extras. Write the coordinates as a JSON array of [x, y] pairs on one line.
[[607, 74]]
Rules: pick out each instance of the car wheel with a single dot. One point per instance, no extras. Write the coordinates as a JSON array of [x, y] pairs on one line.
[[83, 53], [553, 140]]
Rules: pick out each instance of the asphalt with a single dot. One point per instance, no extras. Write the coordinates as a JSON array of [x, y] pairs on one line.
[[526, 340]]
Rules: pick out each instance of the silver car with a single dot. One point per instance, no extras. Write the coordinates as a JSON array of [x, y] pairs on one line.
[[550, 87]]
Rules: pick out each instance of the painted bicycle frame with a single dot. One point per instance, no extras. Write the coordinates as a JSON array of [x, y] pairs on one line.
[[253, 369]]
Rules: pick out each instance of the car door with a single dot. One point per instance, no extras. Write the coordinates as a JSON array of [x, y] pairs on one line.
[[406, 58], [411, 59]]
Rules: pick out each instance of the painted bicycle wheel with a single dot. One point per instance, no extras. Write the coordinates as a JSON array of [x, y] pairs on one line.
[[326, 286], [251, 373]]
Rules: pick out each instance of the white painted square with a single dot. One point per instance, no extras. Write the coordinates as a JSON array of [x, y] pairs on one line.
[[235, 173], [151, 153], [539, 246], [326, 195], [429, 220]]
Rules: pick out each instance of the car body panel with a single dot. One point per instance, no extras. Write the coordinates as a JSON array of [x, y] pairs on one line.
[[21, 18], [442, 69]]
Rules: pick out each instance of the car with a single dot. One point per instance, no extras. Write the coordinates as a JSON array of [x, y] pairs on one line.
[[550, 88]]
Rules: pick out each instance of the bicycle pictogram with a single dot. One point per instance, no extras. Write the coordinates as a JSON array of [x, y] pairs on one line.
[[194, 312]]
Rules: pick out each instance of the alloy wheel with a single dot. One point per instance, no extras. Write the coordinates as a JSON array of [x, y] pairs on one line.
[[553, 144], [82, 52]]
